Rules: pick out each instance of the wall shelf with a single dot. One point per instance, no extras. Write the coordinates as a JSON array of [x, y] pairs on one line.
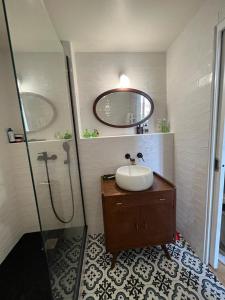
[[125, 135], [43, 141]]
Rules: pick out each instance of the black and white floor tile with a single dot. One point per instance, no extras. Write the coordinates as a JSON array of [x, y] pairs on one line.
[[146, 274], [63, 264]]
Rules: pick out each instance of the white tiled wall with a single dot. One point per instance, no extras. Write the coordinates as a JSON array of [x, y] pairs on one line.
[[11, 227], [24, 196], [99, 72], [189, 75], [104, 155]]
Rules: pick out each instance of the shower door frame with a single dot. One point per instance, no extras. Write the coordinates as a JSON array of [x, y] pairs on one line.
[[217, 158], [81, 259]]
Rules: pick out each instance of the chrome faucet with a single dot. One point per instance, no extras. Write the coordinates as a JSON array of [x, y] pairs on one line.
[[132, 160]]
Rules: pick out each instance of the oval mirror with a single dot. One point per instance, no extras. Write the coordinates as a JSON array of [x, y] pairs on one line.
[[38, 112], [123, 108]]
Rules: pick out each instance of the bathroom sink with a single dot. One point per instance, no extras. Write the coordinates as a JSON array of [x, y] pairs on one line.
[[134, 178]]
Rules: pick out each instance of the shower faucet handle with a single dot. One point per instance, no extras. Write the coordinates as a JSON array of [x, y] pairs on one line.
[[43, 156], [140, 155]]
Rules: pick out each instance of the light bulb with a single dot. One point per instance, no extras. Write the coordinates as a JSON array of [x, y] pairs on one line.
[[124, 81]]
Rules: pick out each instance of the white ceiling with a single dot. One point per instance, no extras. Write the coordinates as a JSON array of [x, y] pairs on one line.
[[30, 27], [121, 25]]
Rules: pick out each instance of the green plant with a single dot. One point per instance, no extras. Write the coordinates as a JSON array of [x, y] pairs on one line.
[[164, 126], [63, 136], [95, 133], [90, 134], [86, 134], [67, 135]]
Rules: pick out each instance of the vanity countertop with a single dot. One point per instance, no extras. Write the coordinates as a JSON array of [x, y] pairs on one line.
[[110, 188]]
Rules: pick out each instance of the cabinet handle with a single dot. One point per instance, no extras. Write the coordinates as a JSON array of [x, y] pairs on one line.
[[119, 203], [145, 226], [162, 199]]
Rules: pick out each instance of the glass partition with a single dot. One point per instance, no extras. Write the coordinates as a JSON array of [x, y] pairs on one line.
[[50, 135]]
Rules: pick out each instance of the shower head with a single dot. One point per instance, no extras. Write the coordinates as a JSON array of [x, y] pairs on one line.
[[66, 146]]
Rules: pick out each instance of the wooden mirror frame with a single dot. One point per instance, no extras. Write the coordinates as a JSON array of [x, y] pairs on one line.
[[123, 90]]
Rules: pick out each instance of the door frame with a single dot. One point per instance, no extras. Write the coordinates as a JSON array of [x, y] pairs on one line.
[[214, 204]]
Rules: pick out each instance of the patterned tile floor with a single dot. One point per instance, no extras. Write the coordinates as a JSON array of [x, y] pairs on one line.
[[63, 264], [146, 274]]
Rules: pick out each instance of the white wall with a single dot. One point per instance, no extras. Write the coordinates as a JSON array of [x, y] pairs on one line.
[[23, 188], [17, 206], [99, 72], [44, 73], [189, 75], [10, 227], [13, 180], [104, 155]]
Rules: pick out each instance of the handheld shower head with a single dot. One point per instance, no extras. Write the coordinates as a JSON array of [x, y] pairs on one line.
[[66, 146]]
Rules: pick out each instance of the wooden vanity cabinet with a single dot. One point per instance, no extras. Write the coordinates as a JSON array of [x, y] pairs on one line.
[[139, 219]]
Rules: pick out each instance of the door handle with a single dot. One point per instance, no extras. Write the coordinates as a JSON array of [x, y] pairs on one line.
[[217, 164]]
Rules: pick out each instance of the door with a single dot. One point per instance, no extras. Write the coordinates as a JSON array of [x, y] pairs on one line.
[[122, 225], [157, 219], [218, 187]]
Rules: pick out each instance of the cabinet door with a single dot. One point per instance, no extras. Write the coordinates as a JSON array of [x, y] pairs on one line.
[[121, 226], [157, 219]]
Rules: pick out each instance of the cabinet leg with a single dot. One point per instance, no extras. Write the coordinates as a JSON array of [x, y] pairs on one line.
[[114, 259], [166, 251]]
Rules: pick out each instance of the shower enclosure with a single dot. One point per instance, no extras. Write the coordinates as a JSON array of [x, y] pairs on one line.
[[46, 107]]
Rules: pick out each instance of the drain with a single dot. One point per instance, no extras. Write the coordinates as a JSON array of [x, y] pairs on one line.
[[51, 243]]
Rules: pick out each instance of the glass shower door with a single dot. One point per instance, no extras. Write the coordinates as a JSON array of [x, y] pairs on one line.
[[50, 136]]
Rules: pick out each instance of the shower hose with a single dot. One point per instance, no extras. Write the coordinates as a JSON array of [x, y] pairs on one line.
[[51, 196]]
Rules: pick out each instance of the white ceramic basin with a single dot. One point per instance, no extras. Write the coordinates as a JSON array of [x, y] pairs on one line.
[[134, 178]]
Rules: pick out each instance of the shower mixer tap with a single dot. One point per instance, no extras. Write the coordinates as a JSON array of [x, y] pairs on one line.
[[43, 156]]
